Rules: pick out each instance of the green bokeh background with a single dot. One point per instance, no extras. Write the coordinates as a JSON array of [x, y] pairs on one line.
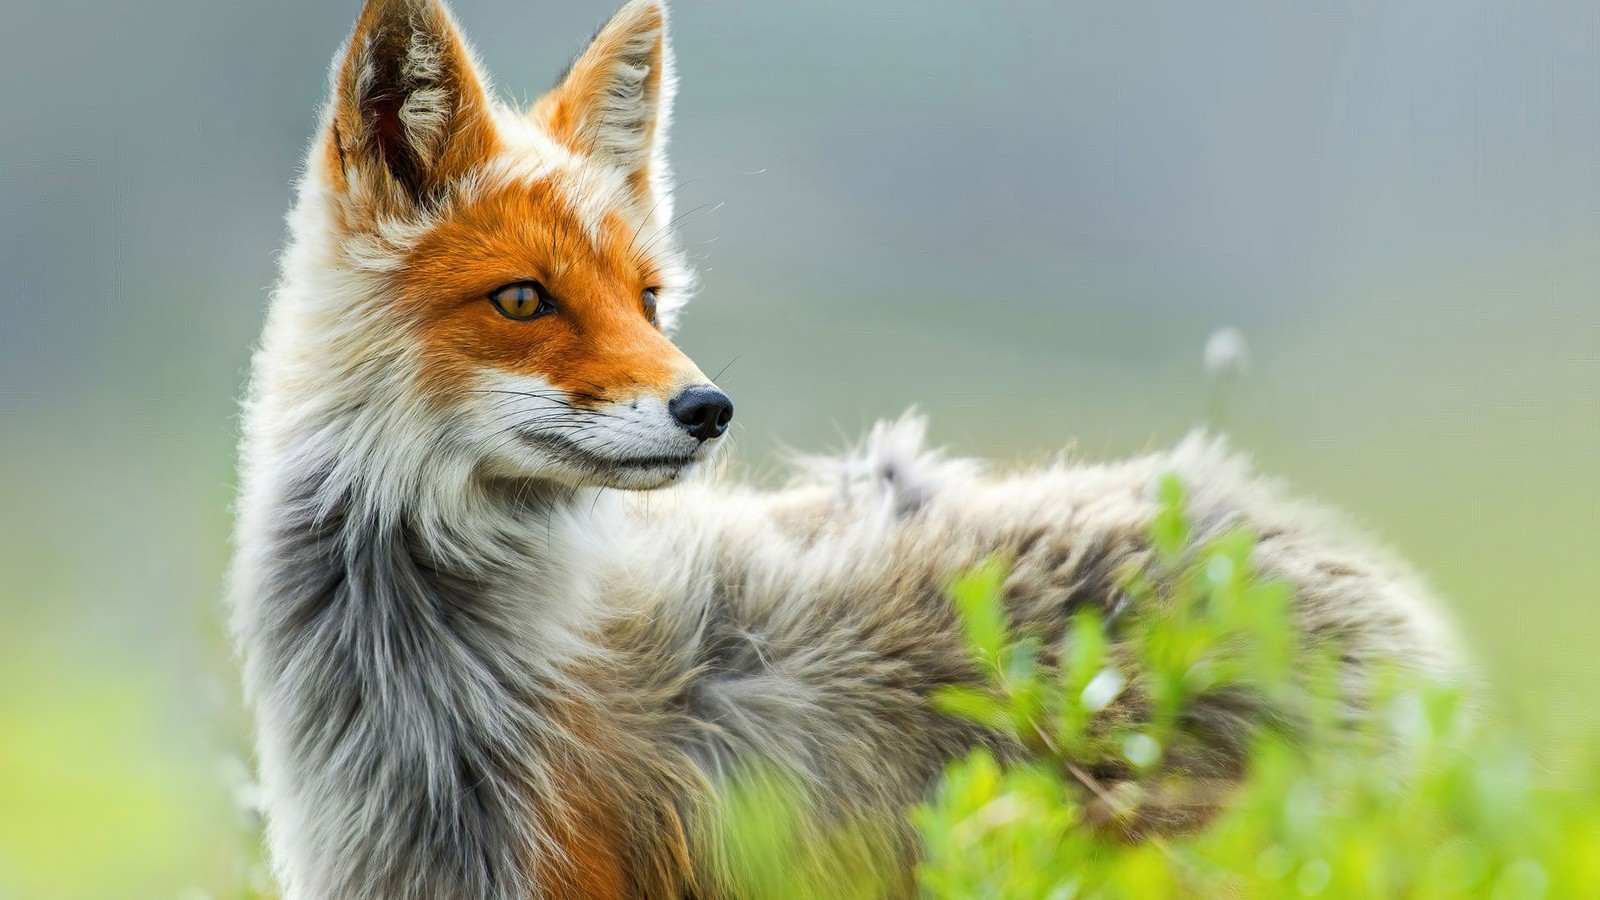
[[1023, 217]]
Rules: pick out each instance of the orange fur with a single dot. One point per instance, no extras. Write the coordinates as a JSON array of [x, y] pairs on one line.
[[587, 854], [599, 347], [613, 830]]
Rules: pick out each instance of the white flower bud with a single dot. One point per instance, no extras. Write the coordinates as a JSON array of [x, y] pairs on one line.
[[1227, 354]]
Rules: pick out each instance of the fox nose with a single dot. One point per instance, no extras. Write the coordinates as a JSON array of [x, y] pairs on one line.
[[703, 411]]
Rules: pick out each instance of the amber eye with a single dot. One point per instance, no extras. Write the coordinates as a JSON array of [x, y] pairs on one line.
[[650, 305], [522, 300]]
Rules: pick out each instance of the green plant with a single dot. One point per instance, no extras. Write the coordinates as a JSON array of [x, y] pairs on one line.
[[1419, 802]]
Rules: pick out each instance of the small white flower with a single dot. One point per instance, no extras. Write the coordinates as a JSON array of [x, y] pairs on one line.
[[1141, 749], [1227, 353], [1101, 690]]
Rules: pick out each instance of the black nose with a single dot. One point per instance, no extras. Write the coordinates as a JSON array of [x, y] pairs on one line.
[[703, 411]]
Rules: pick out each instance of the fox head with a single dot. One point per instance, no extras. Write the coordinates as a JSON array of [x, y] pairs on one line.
[[490, 285]]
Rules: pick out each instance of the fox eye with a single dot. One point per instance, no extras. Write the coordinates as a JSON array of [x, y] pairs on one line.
[[522, 300], [649, 300]]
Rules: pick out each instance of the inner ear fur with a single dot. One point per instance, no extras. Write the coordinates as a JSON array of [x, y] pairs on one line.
[[410, 110], [614, 103]]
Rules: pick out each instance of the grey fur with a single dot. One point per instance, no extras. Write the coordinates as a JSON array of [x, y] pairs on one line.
[[390, 683]]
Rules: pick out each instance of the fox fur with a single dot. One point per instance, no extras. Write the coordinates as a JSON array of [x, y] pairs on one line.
[[484, 663]]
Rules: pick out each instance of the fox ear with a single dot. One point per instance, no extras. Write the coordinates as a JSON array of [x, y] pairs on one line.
[[409, 107], [615, 101]]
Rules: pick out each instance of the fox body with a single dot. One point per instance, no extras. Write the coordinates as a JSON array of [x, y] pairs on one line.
[[482, 665]]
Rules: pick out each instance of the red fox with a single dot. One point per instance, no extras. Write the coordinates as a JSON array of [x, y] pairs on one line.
[[484, 663]]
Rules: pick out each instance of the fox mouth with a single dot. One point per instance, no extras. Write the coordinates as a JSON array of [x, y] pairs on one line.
[[650, 462], [588, 460]]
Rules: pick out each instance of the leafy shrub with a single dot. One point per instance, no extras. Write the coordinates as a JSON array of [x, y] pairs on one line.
[[1418, 799], [1418, 802]]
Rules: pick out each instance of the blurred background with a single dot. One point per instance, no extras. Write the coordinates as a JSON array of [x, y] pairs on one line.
[[1024, 217]]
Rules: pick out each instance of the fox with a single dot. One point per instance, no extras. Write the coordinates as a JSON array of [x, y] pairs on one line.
[[506, 629]]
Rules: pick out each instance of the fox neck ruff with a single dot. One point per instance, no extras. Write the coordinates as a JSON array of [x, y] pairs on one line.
[[408, 662]]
